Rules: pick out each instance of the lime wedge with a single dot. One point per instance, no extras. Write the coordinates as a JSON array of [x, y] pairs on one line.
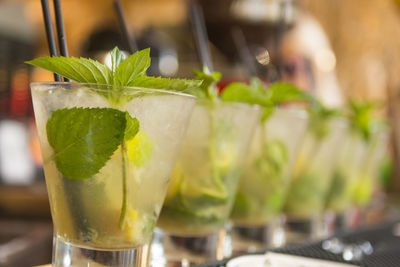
[[174, 183], [140, 149], [197, 195], [130, 229]]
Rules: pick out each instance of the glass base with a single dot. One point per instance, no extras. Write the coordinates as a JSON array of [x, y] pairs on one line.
[[356, 217], [303, 230], [340, 223], [333, 223], [257, 238], [180, 251], [68, 255]]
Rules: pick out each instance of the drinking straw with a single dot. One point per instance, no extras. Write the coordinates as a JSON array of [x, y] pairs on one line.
[[62, 41], [244, 52], [129, 38], [70, 186], [50, 33], [200, 34]]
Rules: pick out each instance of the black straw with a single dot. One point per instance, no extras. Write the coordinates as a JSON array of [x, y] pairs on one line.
[[50, 33], [129, 38], [200, 33], [71, 187], [244, 52], [62, 41]]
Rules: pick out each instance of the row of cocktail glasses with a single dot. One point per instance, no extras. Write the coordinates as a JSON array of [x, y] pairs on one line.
[[226, 166], [290, 169]]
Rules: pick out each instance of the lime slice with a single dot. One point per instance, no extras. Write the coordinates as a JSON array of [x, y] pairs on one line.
[[362, 190], [130, 229], [197, 195], [140, 149], [174, 184], [225, 154]]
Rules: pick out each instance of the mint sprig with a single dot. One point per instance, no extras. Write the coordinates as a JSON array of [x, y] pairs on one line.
[[320, 115], [81, 70], [122, 72], [208, 87], [257, 93], [84, 139], [362, 118]]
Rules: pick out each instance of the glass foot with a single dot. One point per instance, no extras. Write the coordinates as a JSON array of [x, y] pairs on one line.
[[68, 255], [257, 238], [181, 251], [303, 230]]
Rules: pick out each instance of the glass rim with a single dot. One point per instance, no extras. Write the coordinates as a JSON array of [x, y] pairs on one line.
[[103, 86], [203, 101], [298, 112]]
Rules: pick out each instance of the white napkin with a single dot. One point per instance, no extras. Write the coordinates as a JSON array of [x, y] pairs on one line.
[[281, 260]]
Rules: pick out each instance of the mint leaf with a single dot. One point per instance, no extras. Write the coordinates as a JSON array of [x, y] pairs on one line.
[[84, 139], [320, 115], [255, 94], [132, 127], [80, 70], [165, 83], [241, 92], [132, 67], [208, 88], [361, 117], [116, 58], [282, 92]]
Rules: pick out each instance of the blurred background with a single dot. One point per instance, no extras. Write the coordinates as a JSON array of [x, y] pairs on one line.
[[334, 49]]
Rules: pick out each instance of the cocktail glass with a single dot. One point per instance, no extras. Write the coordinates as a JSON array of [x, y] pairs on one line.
[[204, 184], [311, 179], [356, 173], [106, 219], [258, 206]]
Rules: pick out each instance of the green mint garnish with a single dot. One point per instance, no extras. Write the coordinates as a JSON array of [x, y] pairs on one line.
[[165, 83], [257, 93], [362, 119], [320, 115], [207, 89], [283, 92], [81, 70], [84, 139], [131, 127], [122, 72], [134, 66]]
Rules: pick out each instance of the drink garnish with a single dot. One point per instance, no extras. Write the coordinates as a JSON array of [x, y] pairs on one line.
[[122, 72], [257, 93], [362, 118]]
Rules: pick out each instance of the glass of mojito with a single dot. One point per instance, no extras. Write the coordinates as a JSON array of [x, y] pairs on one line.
[[107, 166], [352, 159], [361, 154], [204, 183], [355, 176], [362, 186], [263, 187], [311, 178]]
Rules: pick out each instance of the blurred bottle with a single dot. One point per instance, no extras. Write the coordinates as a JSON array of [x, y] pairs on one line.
[[19, 164]]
